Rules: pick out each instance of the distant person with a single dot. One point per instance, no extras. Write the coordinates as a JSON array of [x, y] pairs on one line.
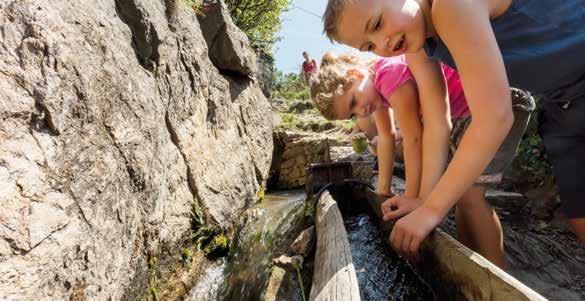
[[309, 67]]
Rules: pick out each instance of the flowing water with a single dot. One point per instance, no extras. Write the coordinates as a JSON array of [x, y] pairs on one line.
[[265, 231], [381, 274]]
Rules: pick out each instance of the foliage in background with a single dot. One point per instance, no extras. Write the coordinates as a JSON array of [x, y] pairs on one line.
[[260, 20], [531, 155], [289, 86]]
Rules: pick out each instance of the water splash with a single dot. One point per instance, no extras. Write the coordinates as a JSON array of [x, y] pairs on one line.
[[264, 231]]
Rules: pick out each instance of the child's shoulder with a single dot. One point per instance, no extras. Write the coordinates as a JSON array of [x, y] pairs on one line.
[[383, 62]]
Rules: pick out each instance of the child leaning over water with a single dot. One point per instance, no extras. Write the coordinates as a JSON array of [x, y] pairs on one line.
[[537, 45], [392, 85]]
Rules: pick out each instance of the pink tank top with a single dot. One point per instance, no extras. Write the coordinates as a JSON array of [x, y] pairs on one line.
[[393, 72]]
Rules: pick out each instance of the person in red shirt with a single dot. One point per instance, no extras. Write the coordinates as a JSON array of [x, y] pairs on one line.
[[309, 67]]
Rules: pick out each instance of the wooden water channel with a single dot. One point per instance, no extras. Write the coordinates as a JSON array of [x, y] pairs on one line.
[[443, 258]]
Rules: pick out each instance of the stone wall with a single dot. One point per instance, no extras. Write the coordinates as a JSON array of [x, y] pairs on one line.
[[293, 152], [114, 122]]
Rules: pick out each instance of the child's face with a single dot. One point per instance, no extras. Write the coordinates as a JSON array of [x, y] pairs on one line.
[[360, 100], [385, 27]]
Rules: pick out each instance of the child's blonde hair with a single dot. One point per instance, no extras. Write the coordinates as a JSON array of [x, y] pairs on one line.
[[331, 17], [332, 81]]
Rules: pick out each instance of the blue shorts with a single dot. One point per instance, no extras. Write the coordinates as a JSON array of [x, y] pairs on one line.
[[562, 128]]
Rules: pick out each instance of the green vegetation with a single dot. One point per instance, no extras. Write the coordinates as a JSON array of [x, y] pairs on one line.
[[218, 247], [298, 268], [261, 194], [196, 215], [186, 256], [290, 86], [359, 145], [212, 241], [153, 269], [260, 20], [531, 155]]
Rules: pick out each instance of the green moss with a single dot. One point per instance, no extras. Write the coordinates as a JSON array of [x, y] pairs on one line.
[[152, 283], [212, 241], [196, 215], [359, 145], [261, 194], [218, 247], [186, 255]]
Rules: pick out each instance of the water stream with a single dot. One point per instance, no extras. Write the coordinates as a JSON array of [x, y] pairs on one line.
[[264, 232], [380, 273]]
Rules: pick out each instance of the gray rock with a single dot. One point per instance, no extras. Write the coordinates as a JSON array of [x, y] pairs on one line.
[[289, 262], [113, 121], [305, 242], [229, 49], [265, 74], [504, 199]]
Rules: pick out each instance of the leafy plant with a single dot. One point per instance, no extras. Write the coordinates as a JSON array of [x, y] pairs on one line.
[[260, 20], [289, 86], [212, 241]]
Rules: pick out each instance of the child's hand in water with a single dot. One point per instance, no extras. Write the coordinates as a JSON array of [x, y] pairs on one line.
[[399, 206], [409, 232]]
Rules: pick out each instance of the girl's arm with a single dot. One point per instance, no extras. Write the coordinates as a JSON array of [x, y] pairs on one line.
[[405, 103], [386, 132], [436, 117]]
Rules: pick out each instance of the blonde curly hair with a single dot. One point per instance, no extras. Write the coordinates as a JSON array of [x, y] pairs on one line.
[[333, 80]]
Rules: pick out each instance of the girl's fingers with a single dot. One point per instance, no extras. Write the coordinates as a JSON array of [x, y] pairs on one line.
[[413, 249], [405, 245]]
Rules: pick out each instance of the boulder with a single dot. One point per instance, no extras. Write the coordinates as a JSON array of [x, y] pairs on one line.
[[229, 49], [304, 244]]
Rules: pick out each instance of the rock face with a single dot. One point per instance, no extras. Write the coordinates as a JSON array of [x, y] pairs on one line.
[[113, 122]]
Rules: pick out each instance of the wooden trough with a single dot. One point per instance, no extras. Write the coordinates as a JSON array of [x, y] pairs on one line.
[[334, 277], [443, 257]]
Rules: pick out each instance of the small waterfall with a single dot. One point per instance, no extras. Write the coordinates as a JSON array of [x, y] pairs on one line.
[[265, 231]]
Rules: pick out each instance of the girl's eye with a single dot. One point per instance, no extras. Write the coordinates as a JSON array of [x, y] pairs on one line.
[[378, 24]]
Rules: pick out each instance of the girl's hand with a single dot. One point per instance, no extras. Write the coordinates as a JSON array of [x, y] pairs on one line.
[[399, 206], [410, 231], [357, 136], [373, 142]]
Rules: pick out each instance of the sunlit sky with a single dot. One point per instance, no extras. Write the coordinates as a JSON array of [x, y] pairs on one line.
[[302, 30]]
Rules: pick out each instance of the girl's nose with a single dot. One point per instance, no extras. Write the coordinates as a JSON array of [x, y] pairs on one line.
[[380, 41]]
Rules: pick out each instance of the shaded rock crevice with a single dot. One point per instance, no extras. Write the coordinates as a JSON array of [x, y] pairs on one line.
[[145, 38]]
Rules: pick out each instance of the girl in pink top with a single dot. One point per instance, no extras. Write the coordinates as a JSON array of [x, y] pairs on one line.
[[392, 72], [346, 87]]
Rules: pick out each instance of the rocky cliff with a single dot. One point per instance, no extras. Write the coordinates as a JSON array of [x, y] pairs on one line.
[[117, 119]]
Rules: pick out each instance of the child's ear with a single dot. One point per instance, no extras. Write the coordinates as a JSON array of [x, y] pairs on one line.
[[355, 73]]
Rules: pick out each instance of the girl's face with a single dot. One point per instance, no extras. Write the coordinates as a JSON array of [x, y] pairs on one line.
[[360, 100], [385, 27]]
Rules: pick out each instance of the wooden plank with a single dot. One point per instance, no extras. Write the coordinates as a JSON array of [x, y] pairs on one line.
[[474, 276], [334, 277]]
